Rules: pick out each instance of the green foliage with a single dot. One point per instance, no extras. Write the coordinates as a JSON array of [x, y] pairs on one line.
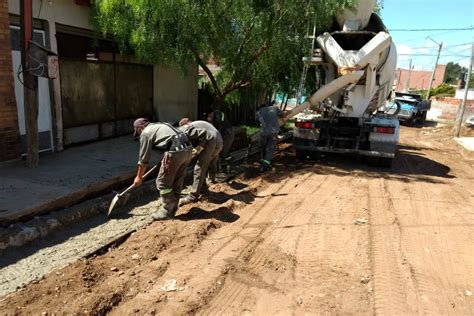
[[452, 73], [444, 90], [250, 130], [258, 42], [378, 6]]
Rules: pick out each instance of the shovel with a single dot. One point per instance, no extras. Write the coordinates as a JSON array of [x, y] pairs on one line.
[[119, 195]]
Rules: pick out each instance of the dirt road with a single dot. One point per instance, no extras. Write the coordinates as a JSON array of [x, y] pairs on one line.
[[332, 236]]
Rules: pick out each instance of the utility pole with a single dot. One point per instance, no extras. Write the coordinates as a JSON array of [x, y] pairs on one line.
[[407, 85], [30, 85], [460, 114], [434, 69]]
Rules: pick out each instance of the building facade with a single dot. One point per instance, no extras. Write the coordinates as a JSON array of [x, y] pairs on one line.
[[97, 92], [419, 80]]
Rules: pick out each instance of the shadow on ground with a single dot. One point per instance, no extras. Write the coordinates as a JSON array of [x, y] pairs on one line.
[[410, 164], [223, 214]]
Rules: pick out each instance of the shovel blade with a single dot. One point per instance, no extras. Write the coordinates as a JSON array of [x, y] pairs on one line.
[[112, 204]]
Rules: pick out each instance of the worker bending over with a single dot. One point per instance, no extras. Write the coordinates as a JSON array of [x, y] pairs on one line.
[[207, 142], [177, 154]]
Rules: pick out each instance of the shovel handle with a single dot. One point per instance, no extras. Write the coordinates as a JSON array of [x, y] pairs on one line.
[[144, 176]]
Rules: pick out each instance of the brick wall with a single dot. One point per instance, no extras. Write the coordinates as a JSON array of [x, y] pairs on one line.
[[446, 108], [9, 133], [419, 80]]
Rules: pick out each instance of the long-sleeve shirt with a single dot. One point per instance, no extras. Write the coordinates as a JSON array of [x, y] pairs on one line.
[[268, 116]]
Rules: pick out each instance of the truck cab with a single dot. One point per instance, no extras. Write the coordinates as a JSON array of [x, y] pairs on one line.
[[411, 108]]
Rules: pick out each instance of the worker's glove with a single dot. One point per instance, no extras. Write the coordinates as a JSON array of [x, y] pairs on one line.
[[197, 150]]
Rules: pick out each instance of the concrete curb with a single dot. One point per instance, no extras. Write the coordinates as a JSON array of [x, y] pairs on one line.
[[465, 152], [22, 233], [84, 193]]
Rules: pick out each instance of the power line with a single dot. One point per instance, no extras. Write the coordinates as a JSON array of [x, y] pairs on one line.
[[458, 52], [458, 60], [431, 55], [450, 46], [422, 37], [464, 44], [429, 30]]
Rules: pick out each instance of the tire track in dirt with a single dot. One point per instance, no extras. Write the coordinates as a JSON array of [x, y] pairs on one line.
[[305, 238], [434, 240], [247, 259], [393, 285]]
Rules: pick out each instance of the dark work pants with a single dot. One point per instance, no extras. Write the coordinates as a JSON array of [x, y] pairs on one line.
[[207, 160], [268, 145], [170, 182]]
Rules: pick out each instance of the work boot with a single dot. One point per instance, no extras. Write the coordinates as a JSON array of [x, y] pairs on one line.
[[264, 167], [168, 207], [160, 214], [190, 198]]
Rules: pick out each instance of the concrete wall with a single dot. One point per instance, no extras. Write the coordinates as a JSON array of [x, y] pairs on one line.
[[9, 131], [446, 109], [175, 95], [65, 12], [460, 94]]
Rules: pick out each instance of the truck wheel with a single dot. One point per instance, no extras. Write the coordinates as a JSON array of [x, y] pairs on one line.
[[423, 117], [302, 154]]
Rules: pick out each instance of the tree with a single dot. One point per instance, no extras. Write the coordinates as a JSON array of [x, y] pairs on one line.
[[445, 90], [452, 73], [258, 42]]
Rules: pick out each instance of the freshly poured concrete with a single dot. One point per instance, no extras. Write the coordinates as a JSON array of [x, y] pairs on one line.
[[65, 178], [466, 142]]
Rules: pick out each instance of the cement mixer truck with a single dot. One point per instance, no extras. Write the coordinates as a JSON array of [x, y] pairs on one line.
[[355, 65]]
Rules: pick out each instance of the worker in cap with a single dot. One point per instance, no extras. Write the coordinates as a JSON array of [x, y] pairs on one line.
[[177, 154], [207, 142], [267, 116]]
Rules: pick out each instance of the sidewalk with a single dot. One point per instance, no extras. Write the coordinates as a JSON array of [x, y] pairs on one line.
[[65, 178], [467, 144]]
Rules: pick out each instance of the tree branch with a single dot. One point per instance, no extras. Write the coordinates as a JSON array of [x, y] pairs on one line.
[[207, 71], [245, 39]]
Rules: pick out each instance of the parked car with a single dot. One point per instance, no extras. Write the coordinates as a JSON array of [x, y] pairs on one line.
[[411, 108]]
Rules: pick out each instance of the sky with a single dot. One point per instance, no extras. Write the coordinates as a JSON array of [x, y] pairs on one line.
[[430, 14]]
